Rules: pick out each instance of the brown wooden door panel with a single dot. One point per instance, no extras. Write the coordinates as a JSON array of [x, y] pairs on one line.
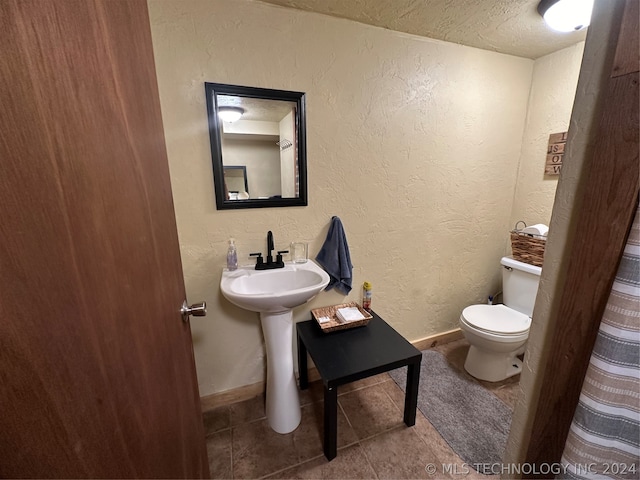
[[97, 376]]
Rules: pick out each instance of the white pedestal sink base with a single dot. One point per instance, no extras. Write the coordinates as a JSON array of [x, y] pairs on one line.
[[283, 402], [276, 290]]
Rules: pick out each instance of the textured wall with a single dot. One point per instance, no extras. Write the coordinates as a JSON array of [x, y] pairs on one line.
[[262, 159], [413, 142], [553, 89]]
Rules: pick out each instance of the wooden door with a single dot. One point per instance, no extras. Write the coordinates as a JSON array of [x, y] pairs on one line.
[[97, 376]]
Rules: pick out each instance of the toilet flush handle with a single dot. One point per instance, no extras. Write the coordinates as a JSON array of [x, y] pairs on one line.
[[508, 268], [197, 310]]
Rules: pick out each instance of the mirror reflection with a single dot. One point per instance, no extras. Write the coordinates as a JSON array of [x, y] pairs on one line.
[[258, 146], [235, 179]]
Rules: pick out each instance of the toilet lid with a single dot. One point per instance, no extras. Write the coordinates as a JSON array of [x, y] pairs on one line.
[[496, 319]]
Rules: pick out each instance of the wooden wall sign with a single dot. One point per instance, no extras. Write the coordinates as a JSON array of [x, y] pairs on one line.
[[555, 152]]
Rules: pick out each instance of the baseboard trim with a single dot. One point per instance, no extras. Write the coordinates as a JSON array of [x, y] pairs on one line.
[[438, 339], [220, 399]]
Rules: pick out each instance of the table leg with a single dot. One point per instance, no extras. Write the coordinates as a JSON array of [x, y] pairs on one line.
[[302, 365], [411, 395], [330, 422]]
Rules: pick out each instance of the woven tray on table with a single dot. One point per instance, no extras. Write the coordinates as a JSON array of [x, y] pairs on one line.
[[527, 248], [335, 323]]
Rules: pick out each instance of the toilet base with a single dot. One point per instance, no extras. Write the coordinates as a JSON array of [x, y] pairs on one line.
[[492, 366]]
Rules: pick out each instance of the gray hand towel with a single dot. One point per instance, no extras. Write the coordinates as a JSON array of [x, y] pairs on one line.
[[335, 259]]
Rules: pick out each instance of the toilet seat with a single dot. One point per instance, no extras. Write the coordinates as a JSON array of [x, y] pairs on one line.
[[496, 319]]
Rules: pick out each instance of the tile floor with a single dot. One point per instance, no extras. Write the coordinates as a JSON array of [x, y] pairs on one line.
[[373, 441]]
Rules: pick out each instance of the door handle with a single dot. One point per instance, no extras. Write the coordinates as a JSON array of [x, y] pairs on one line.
[[197, 310]]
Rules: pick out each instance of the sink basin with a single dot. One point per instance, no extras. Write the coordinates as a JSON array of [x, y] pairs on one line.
[[274, 293], [275, 290]]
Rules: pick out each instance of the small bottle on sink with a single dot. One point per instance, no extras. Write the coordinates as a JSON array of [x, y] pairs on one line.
[[232, 256]]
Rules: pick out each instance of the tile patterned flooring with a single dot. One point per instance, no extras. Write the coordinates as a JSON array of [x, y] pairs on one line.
[[373, 441]]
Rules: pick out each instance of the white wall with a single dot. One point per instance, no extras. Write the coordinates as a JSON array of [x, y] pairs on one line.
[[413, 142], [262, 159], [553, 89], [288, 157]]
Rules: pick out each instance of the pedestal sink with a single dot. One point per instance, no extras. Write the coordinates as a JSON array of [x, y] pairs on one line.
[[274, 294]]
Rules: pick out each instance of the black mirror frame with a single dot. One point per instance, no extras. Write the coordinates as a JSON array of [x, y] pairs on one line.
[[211, 90]]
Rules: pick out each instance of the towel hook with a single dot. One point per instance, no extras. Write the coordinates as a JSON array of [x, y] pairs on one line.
[[284, 144]]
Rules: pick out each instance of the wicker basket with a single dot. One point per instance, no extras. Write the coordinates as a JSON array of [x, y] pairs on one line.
[[527, 248], [335, 324]]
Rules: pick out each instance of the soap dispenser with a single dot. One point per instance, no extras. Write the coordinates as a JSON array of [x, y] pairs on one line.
[[232, 256]]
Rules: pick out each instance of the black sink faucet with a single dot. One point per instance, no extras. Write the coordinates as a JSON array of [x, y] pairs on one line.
[[269, 247], [269, 264]]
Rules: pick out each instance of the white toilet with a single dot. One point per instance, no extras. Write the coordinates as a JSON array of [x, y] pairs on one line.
[[497, 333]]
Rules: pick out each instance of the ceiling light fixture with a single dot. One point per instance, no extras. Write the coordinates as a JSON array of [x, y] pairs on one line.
[[566, 15], [230, 114]]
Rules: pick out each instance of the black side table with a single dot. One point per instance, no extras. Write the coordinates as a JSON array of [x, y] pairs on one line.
[[348, 355]]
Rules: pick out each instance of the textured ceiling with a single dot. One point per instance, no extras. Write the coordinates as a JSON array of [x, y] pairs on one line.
[[258, 108], [508, 26]]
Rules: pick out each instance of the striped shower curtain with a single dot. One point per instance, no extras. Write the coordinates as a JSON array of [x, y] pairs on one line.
[[604, 439]]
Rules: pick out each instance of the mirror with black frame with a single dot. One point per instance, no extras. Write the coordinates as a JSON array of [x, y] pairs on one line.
[[258, 146]]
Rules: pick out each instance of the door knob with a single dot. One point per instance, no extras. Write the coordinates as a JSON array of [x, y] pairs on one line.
[[197, 310]]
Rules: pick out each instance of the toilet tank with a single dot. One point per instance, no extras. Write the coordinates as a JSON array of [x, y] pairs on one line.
[[519, 285]]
